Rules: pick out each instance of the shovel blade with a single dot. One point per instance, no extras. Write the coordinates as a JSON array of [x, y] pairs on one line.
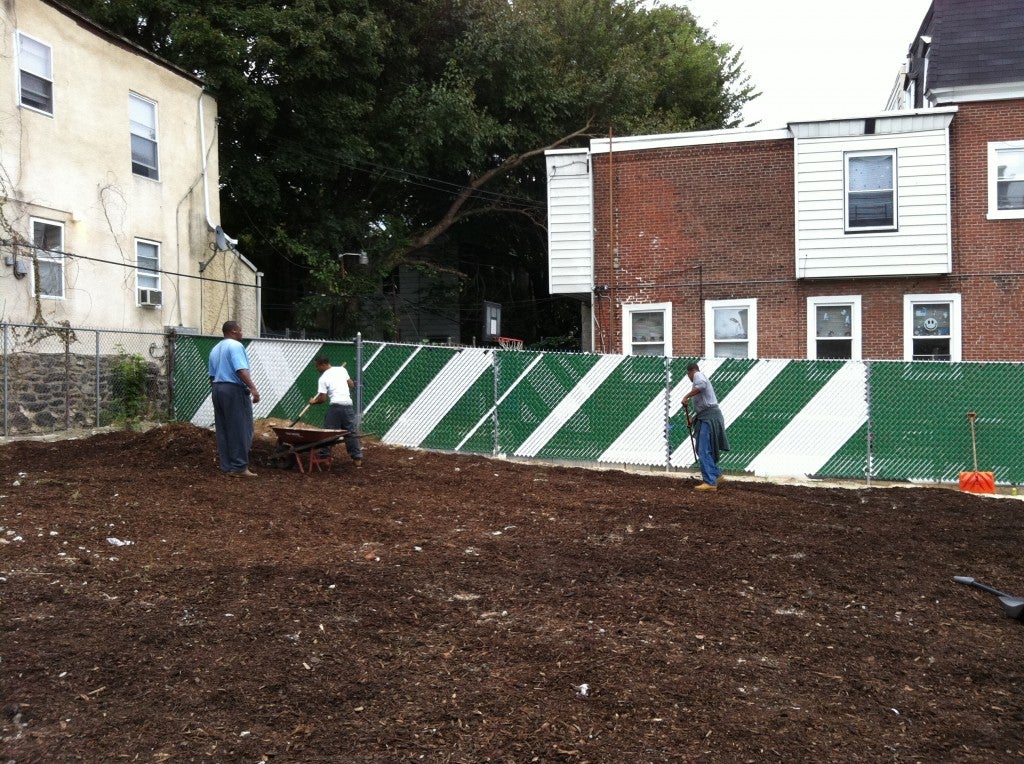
[[978, 482], [1013, 606]]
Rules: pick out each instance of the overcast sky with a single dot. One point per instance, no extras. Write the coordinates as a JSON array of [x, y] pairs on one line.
[[814, 58]]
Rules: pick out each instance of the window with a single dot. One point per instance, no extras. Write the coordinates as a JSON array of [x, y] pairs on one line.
[[731, 328], [647, 329], [833, 328], [931, 327], [35, 83], [48, 240], [147, 258], [871, 191], [1006, 179], [142, 117]]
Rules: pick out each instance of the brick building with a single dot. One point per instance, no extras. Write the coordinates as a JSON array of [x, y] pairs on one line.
[[896, 235]]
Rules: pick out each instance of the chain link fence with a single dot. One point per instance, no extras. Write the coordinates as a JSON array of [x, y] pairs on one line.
[[878, 420], [63, 378]]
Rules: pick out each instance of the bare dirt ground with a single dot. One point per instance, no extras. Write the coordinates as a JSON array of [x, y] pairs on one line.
[[439, 608]]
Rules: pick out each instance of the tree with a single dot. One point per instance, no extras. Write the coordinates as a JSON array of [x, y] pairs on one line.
[[415, 129]]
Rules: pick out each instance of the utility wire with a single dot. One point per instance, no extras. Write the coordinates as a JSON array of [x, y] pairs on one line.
[[412, 178], [133, 266]]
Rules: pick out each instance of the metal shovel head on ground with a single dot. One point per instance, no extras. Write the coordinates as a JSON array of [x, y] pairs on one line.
[[1013, 606]]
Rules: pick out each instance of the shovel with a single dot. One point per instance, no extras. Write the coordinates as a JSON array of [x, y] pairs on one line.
[[976, 482], [689, 426], [296, 419], [1013, 606]]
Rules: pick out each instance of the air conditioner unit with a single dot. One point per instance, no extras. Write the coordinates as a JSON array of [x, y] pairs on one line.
[[152, 298]]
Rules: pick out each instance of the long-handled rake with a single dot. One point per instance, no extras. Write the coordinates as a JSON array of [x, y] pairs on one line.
[[1013, 606]]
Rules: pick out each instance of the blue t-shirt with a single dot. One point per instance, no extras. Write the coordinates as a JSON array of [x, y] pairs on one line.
[[226, 358]]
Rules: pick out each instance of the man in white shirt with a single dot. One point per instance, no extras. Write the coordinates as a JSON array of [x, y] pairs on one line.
[[334, 388]]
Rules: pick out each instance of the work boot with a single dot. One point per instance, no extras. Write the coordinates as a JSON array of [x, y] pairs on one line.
[[357, 462], [706, 487]]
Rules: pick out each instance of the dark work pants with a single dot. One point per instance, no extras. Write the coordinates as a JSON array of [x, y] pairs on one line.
[[232, 416], [342, 416]]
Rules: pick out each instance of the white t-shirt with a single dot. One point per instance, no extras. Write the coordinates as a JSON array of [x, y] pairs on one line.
[[334, 384]]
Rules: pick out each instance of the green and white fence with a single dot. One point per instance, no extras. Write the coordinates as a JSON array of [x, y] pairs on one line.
[[880, 420]]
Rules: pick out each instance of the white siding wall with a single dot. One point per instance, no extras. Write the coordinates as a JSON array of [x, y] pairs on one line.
[[570, 222], [922, 243]]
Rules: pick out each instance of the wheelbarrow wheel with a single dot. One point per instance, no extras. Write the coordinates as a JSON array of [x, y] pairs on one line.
[[282, 459]]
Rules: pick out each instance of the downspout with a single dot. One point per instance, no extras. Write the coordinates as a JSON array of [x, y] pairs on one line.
[[213, 227], [202, 156], [206, 203]]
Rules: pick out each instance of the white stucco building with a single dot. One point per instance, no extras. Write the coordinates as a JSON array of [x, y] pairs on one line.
[[109, 184]]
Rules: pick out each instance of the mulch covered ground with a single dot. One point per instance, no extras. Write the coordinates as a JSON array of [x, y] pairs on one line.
[[443, 608]]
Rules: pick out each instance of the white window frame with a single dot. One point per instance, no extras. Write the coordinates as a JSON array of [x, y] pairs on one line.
[[151, 276], [849, 301], [955, 330], [710, 306], [44, 257], [846, 191], [46, 76], [144, 132], [651, 307], [994, 213]]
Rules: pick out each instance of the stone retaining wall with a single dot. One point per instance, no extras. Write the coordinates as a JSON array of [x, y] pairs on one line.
[[53, 391]]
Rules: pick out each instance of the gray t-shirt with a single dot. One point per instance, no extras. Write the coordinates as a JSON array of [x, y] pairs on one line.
[[706, 398]]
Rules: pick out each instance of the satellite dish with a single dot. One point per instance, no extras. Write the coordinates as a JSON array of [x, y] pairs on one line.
[[223, 240]]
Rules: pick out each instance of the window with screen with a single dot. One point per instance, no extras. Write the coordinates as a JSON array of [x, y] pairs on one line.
[[932, 327], [142, 120], [833, 324], [647, 329], [730, 328], [35, 82], [870, 191], [1006, 179], [48, 244]]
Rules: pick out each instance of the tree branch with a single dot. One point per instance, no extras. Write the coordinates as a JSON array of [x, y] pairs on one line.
[[453, 213]]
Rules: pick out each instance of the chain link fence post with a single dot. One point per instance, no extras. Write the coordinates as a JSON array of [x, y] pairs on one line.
[[495, 395], [869, 435], [667, 430], [359, 382]]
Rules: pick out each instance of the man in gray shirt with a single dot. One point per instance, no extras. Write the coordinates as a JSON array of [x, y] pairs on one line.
[[710, 424]]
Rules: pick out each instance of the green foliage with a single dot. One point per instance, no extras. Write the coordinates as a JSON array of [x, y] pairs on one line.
[[129, 391], [406, 128]]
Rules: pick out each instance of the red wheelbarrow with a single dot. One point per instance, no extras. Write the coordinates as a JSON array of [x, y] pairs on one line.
[[303, 445]]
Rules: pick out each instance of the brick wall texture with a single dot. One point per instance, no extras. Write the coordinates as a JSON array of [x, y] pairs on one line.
[[716, 222]]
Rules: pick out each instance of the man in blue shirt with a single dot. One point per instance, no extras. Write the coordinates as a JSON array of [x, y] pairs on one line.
[[234, 392], [710, 424]]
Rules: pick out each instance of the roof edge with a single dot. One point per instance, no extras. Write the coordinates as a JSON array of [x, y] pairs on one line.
[[122, 42]]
